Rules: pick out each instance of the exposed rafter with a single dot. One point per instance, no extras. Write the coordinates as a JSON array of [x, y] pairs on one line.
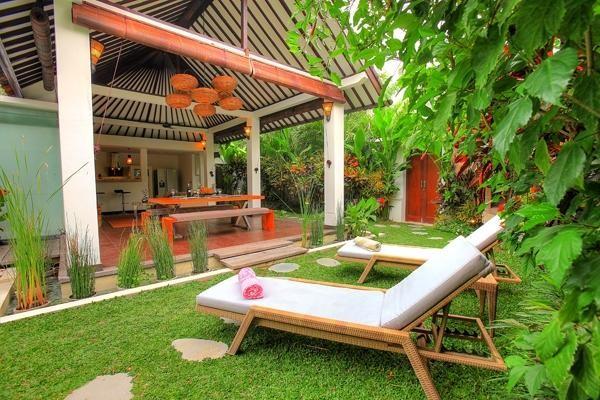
[[138, 28], [8, 72], [193, 12], [234, 133], [290, 112]]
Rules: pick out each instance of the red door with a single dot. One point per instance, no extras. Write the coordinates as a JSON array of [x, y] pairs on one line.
[[421, 190]]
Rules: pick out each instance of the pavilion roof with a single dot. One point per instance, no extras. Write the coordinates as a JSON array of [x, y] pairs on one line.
[[146, 71]]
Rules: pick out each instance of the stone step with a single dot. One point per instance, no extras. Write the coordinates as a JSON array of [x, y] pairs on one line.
[[234, 251], [261, 257]]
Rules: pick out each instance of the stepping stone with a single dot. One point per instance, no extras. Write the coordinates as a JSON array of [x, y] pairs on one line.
[[199, 349], [421, 233], [328, 262], [105, 387], [436, 238], [284, 267], [379, 225], [381, 234]]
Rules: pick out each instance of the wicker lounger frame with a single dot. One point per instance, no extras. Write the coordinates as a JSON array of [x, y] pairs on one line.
[[420, 344]]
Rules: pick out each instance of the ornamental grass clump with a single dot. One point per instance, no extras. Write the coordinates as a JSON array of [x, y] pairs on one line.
[[197, 235], [316, 230], [28, 247], [129, 266], [162, 255], [80, 264]]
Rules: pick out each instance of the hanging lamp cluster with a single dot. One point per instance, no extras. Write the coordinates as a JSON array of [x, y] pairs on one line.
[[187, 90]]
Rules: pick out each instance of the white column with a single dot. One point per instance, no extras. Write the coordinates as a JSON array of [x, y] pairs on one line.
[[75, 119], [334, 164], [209, 161], [144, 169], [253, 161]]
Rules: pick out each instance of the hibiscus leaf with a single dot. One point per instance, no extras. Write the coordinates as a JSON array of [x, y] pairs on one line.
[[518, 115], [537, 213], [565, 173], [558, 367], [536, 21], [542, 157], [486, 53], [551, 78], [559, 253]]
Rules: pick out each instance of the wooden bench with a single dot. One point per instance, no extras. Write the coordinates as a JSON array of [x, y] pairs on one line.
[[268, 218], [165, 212]]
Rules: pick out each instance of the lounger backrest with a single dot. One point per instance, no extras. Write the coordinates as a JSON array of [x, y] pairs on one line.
[[429, 284], [486, 234]]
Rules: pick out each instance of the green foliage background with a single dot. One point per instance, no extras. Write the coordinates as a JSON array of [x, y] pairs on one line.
[[520, 76]]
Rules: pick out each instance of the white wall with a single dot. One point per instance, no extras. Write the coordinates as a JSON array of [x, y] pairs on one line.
[[398, 201]]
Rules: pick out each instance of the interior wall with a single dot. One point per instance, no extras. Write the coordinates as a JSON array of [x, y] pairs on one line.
[[29, 143], [108, 200]]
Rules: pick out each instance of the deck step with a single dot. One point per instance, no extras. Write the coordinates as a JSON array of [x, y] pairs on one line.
[[234, 251], [261, 257]]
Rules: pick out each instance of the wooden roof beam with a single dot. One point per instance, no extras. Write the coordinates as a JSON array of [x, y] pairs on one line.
[[9, 72], [193, 12], [292, 111], [138, 28]]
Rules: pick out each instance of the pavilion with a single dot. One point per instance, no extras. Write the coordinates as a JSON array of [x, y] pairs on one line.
[[122, 102]]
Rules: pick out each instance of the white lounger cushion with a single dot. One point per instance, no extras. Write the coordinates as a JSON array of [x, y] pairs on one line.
[[441, 275], [412, 254], [486, 234], [482, 237], [343, 304]]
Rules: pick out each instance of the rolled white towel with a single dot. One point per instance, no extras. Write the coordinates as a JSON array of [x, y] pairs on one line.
[[367, 244]]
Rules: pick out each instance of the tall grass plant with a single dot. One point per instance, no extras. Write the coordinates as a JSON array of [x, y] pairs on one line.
[[162, 255], [197, 238], [80, 266]]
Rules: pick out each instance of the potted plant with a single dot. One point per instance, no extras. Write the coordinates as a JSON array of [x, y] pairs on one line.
[[28, 247]]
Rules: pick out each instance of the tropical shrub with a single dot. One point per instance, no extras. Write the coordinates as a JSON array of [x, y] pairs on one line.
[[233, 172], [162, 254], [197, 238], [360, 215], [80, 264], [129, 265], [29, 250], [2, 208], [520, 77]]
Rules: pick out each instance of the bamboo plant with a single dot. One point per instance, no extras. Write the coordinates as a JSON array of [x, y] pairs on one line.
[[129, 266], [80, 264], [28, 247], [162, 255], [197, 236]]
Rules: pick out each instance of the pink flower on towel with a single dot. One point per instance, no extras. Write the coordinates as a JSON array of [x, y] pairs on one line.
[[249, 284]]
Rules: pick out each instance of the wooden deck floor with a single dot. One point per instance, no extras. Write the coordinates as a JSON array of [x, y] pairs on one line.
[[220, 234]]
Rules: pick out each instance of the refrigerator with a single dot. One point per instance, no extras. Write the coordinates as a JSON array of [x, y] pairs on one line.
[[164, 180]]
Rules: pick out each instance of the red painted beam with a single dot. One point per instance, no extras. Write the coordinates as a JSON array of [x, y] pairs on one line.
[[119, 25]]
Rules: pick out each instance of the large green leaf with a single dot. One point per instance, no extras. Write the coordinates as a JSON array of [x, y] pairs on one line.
[[565, 172], [518, 115], [444, 111], [536, 21], [534, 377], [559, 253], [486, 53], [549, 340], [557, 367], [551, 78], [587, 92], [537, 213], [542, 157]]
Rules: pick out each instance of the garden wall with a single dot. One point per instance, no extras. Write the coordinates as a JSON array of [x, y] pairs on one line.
[[28, 143]]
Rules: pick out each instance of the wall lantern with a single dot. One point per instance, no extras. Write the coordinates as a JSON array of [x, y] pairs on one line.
[[96, 50], [247, 131], [327, 107], [129, 160]]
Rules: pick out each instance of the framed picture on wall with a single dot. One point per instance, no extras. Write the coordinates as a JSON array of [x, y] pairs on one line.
[[137, 173]]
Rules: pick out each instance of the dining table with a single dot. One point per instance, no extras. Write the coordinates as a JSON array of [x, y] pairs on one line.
[[176, 202]]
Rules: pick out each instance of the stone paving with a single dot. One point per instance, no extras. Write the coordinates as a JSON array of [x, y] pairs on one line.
[[199, 349], [105, 387]]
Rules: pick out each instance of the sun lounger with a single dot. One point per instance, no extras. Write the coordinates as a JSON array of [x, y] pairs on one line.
[[390, 320], [485, 238]]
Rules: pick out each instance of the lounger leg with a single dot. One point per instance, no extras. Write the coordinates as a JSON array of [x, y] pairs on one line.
[[241, 333], [367, 270], [421, 370], [492, 300]]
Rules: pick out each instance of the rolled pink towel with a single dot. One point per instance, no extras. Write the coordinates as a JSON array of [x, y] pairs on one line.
[[250, 285]]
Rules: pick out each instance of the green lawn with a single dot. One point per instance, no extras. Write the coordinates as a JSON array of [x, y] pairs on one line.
[[49, 356]]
